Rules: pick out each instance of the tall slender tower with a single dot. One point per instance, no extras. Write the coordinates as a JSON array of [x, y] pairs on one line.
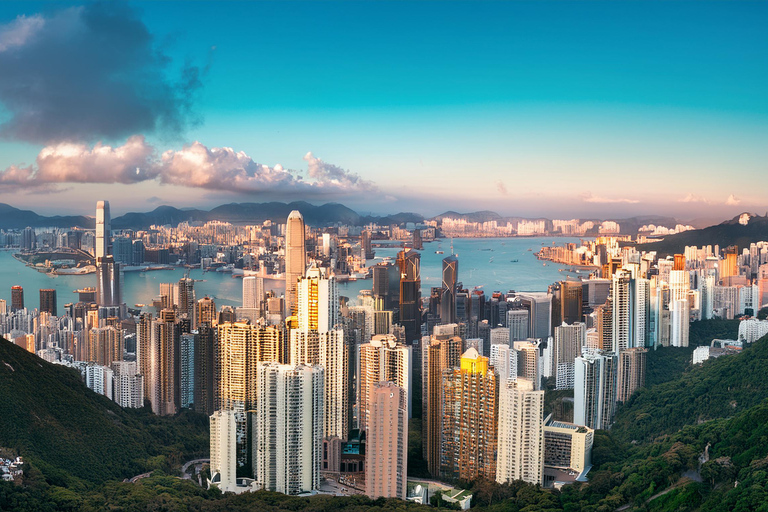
[[387, 442], [107, 270], [103, 230], [448, 292], [382, 360], [409, 263], [295, 257], [521, 433]]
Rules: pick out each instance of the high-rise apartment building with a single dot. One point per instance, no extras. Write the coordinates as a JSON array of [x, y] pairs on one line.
[[295, 258], [631, 372], [528, 362], [288, 436], [105, 345], [520, 433], [205, 354], [223, 463], [48, 300], [164, 360], [568, 342], [622, 308], [470, 416], [443, 352], [386, 458], [129, 384], [595, 390], [206, 312], [382, 360]]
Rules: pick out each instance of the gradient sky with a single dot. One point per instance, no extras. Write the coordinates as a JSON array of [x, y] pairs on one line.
[[569, 109]]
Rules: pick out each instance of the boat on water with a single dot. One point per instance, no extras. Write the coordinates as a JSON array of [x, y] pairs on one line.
[[490, 260], [513, 261], [439, 252]]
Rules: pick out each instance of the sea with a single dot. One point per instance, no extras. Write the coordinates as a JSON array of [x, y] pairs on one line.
[[490, 264]]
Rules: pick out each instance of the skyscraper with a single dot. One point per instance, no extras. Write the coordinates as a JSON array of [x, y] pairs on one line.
[[164, 361], [386, 459], [569, 339], [622, 308], [48, 301], [521, 433], [105, 345], [571, 301], [289, 433], [206, 312], [442, 352], [103, 230], [470, 416], [631, 372], [448, 293], [408, 262], [517, 322], [205, 369], [594, 393], [17, 298], [295, 258], [382, 360], [253, 292], [223, 450]]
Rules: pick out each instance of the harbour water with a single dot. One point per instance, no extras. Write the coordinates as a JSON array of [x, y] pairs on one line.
[[485, 263]]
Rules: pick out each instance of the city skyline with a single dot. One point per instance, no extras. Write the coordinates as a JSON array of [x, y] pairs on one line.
[[530, 100]]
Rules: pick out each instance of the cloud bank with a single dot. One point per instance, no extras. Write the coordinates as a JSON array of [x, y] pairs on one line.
[[89, 73], [195, 165]]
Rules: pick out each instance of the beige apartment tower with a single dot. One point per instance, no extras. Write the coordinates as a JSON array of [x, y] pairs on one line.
[[521, 433], [631, 372], [295, 258], [382, 360], [387, 442]]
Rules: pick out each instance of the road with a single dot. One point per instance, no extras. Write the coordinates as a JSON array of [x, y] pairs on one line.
[[184, 469]]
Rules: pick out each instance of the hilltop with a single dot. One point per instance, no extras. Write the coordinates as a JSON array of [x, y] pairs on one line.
[[730, 232], [71, 434]]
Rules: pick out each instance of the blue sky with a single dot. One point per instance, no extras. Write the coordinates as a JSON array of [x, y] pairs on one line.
[[546, 108]]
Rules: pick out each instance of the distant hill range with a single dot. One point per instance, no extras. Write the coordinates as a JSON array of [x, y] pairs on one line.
[[242, 213], [730, 232]]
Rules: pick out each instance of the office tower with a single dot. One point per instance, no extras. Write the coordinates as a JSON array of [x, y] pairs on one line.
[[569, 339], [528, 365], [622, 303], [129, 384], [17, 298], [408, 262], [386, 457], [137, 258], [295, 258], [365, 242], [382, 360], [571, 301], [448, 293], [188, 343], [380, 287], [289, 430], [517, 322], [253, 292], [164, 364], [105, 345], [206, 312], [186, 297], [122, 250], [443, 352], [539, 306], [103, 230], [470, 416], [504, 360], [223, 462], [205, 369], [418, 245], [48, 301], [631, 372], [520, 433], [595, 390]]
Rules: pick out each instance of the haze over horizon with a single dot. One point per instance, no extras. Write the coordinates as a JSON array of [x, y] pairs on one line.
[[583, 110]]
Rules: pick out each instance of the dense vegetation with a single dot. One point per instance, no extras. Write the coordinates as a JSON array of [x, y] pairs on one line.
[[651, 460], [75, 436]]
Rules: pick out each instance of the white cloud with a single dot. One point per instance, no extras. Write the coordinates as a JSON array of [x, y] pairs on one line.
[[693, 198], [195, 165], [501, 187], [732, 200], [19, 31]]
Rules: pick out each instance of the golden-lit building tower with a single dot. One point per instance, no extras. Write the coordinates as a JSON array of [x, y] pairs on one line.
[[164, 364], [105, 345], [382, 360], [631, 372], [295, 258], [571, 294], [729, 266], [144, 355], [470, 418], [604, 316], [409, 264], [206, 311], [444, 352], [386, 458], [679, 263]]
